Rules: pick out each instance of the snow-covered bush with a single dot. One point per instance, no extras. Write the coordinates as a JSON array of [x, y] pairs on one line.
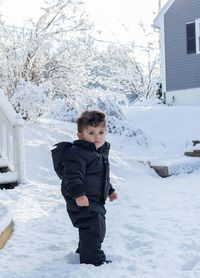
[[106, 101], [71, 107], [29, 100], [148, 102]]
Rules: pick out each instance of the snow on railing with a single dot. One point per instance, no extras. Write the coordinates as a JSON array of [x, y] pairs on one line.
[[11, 138]]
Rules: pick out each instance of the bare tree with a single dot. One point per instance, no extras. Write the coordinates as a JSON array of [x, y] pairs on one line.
[[129, 69], [151, 61]]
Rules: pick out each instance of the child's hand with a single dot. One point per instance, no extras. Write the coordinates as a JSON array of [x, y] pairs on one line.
[[82, 201], [113, 196]]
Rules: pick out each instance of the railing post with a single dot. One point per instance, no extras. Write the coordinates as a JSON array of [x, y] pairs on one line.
[[19, 158], [11, 138], [1, 136]]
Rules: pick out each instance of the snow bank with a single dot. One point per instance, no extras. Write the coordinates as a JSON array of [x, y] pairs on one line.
[[168, 128]]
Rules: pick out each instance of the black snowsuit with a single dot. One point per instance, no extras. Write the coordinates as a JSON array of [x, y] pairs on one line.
[[86, 172]]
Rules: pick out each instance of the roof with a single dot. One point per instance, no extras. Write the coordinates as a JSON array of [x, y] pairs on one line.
[[158, 19]]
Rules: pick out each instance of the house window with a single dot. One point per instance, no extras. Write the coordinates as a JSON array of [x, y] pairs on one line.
[[197, 24], [193, 37]]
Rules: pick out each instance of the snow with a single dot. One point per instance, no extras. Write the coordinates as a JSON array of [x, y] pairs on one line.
[[3, 162], [8, 177], [152, 229]]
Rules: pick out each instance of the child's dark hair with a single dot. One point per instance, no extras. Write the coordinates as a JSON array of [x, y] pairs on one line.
[[92, 118]]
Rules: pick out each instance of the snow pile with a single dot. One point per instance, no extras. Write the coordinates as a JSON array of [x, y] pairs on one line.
[[148, 102], [30, 101]]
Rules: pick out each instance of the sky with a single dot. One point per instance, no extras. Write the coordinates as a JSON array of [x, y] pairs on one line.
[[119, 19], [115, 20]]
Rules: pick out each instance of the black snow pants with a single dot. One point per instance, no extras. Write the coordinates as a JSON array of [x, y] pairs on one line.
[[91, 224]]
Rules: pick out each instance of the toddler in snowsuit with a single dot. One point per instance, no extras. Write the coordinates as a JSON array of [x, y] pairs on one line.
[[86, 185]]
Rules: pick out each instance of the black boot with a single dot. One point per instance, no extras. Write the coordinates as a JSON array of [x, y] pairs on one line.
[[105, 262]]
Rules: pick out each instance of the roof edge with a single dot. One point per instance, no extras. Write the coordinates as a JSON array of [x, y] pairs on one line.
[[157, 20]]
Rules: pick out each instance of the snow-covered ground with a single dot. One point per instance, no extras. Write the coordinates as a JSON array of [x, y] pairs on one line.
[[153, 229]]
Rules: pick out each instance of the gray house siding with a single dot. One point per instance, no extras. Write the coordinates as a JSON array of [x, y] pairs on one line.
[[182, 69]]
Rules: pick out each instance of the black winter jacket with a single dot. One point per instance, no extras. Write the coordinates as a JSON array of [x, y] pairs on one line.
[[86, 171]]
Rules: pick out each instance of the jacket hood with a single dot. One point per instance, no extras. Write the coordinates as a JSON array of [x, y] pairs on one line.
[[57, 155]]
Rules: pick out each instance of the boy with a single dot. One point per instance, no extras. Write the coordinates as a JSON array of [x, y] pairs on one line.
[[86, 185]]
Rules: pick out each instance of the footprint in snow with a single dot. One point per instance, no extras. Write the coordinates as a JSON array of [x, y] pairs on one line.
[[72, 258], [191, 263]]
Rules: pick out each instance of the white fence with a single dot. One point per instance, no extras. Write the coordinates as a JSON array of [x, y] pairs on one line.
[[11, 138]]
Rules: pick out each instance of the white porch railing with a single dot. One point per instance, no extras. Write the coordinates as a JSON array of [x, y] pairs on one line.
[[11, 138]]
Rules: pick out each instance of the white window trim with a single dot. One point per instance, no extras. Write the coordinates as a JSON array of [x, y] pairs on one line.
[[197, 28]]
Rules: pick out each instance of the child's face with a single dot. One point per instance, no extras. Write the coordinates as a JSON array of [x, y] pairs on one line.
[[94, 135]]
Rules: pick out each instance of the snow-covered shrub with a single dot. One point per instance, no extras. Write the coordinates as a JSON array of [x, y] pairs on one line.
[[29, 100], [71, 107], [123, 127], [148, 102], [106, 101]]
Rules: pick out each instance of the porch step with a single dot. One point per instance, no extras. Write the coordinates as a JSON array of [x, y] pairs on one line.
[[175, 166], [3, 165], [194, 153], [3, 162], [8, 177], [8, 180], [193, 150], [6, 225]]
